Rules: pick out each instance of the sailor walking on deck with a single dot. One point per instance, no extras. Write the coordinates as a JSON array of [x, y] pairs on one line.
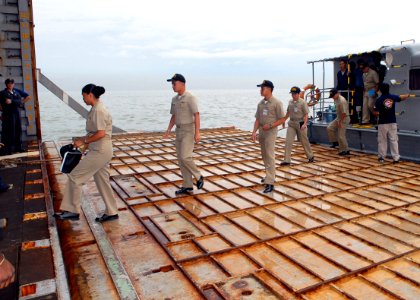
[[337, 128], [96, 161], [267, 118], [298, 111], [186, 117]]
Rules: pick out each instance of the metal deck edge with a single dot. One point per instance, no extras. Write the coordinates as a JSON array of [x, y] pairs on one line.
[[63, 292]]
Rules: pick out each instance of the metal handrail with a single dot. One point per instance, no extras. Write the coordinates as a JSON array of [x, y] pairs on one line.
[[319, 109], [320, 106]]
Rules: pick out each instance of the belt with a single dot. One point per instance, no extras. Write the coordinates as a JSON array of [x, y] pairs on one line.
[[184, 125]]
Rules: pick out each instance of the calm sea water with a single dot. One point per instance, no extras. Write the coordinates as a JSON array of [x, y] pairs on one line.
[[136, 111]]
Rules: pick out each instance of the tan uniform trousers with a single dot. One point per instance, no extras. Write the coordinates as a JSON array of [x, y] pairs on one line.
[[184, 143], [368, 104], [336, 134], [388, 132], [95, 164], [267, 141], [294, 130]]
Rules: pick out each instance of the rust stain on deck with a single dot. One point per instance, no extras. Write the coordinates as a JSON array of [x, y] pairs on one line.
[[339, 228]]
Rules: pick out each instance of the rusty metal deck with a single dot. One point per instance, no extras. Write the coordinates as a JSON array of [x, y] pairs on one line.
[[339, 228], [30, 240]]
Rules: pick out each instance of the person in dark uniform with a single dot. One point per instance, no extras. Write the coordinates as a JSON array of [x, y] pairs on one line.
[[4, 186], [379, 68], [11, 100], [387, 128], [357, 87], [343, 79]]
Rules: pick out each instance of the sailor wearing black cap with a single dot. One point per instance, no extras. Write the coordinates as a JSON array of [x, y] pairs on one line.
[[268, 116], [11, 100], [337, 129], [186, 117], [298, 111]]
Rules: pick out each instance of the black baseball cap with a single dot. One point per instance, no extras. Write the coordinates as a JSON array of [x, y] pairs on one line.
[[333, 92], [177, 77], [295, 90], [266, 83]]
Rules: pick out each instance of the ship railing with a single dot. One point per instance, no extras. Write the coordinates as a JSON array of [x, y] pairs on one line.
[[324, 109], [321, 111]]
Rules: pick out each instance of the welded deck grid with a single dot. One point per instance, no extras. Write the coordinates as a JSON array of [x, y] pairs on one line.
[[344, 227]]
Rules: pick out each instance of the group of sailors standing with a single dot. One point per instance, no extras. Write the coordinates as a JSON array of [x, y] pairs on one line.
[[359, 84], [364, 90]]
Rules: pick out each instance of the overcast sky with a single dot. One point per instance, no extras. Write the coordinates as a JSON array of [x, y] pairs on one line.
[[134, 44]]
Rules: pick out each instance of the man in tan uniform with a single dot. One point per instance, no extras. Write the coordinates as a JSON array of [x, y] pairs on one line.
[[268, 116], [371, 85], [298, 111], [337, 129], [186, 117]]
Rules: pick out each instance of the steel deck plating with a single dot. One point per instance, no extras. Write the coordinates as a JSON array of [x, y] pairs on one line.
[[341, 228]]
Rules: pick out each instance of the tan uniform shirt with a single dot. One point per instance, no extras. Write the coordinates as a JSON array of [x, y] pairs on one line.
[[184, 107], [341, 106], [269, 111], [297, 110], [99, 119], [370, 79]]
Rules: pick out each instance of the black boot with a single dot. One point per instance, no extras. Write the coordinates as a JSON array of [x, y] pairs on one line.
[[344, 153], [268, 188], [200, 183], [334, 144], [66, 215], [183, 190]]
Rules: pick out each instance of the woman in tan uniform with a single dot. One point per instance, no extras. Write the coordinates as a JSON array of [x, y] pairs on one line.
[[95, 163]]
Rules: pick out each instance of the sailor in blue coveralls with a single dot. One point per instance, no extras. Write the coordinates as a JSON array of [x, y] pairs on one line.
[[11, 100]]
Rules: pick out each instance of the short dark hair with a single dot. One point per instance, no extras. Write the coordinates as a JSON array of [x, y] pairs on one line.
[[343, 60], [363, 65], [96, 90], [384, 88], [266, 83], [9, 80], [377, 56]]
